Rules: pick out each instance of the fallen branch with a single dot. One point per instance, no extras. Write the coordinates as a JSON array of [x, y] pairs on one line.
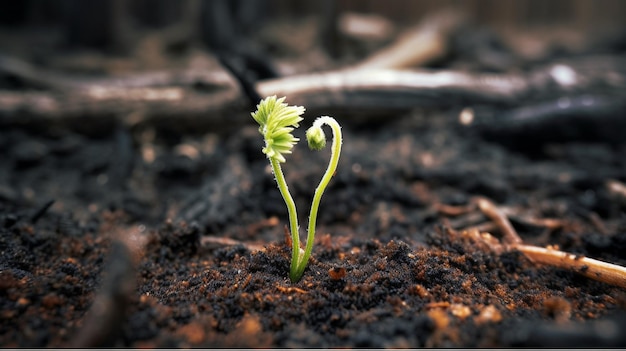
[[104, 320], [491, 210], [617, 190], [595, 269], [132, 98], [205, 96], [421, 44], [33, 77], [395, 89], [130, 105], [589, 267], [211, 243], [585, 116]]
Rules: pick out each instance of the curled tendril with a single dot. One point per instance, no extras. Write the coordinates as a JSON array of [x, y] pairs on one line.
[[276, 121]]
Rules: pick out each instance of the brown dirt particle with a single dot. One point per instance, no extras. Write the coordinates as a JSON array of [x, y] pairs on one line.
[[249, 334], [147, 299], [8, 314], [381, 264], [193, 332], [337, 273], [459, 310], [571, 292], [489, 314], [467, 285], [439, 304], [290, 290], [420, 291], [500, 291], [51, 300], [7, 281], [439, 317], [70, 260], [558, 308]]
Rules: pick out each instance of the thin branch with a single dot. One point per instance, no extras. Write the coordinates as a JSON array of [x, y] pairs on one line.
[[589, 267], [421, 44], [214, 242], [491, 210], [105, 318], [198, 93]]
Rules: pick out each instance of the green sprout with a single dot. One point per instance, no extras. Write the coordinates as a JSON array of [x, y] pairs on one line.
[[277, 120]]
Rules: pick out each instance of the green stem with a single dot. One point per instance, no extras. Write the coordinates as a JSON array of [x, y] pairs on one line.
[[296, 274], [293, 215]]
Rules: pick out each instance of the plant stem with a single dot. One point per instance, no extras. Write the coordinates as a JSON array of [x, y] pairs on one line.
[[296, 274], [293, 215]]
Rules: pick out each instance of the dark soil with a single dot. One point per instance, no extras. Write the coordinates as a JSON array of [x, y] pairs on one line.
[[385, 273], [150, 238]]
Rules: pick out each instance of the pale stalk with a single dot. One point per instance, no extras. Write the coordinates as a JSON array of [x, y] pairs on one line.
[[293, 215]]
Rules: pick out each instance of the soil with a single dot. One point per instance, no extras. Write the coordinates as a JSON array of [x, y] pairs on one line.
[[152, 238]]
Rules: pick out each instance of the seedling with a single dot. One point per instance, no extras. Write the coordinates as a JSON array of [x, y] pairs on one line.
[[277, 120]]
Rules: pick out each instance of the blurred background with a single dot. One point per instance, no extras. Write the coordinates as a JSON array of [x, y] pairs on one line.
[[125, 26], [100, 16], [215, 54]]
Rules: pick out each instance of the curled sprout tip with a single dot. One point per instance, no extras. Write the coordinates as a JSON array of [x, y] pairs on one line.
[[316, 137]]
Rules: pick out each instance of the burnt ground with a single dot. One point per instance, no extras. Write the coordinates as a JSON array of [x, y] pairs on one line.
[[386, 272], [152, 238]]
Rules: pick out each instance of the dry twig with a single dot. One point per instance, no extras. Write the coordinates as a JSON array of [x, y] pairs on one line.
[[104, 320], [419, 45], [617, 189], [589, 267], [215, 242]]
